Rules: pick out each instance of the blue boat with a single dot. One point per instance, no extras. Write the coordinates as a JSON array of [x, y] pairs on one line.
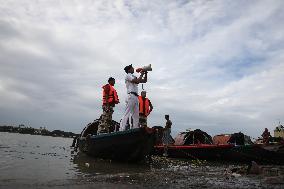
[[131, 145]]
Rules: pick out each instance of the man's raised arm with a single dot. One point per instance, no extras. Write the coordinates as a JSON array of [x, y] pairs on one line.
[[140, 79]]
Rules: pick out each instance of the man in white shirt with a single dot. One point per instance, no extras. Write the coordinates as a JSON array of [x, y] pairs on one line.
[[132, 102]]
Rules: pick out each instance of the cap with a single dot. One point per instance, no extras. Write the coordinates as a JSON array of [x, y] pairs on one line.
[[126, 69]]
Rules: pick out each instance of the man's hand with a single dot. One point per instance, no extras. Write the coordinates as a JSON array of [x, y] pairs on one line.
[[144, 80], [140, 79], [142, 74]]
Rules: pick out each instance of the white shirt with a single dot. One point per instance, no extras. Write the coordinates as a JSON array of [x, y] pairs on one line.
[[131, 87]]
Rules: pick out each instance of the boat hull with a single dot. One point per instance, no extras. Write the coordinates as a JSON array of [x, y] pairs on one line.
[[260, 153], [131, 145], [200, 151]]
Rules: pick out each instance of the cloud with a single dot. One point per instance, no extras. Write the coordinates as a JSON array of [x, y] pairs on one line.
[[217, 65]]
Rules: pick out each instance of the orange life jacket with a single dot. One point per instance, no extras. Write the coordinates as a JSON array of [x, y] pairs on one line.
[[112, 95], [144, 106]]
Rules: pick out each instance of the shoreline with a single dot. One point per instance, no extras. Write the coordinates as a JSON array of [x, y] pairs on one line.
[[21, 129]]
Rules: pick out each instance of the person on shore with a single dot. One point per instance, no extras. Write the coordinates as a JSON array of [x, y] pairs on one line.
[[145, 108], [132, 104], [266, 135], [110, 99], [167, 139]]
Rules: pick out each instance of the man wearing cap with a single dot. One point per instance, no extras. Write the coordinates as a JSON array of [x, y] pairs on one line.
[[145, 108], [132, 103], [110, 99]]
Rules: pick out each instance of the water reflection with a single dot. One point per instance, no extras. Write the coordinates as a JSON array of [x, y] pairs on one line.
[[95, 166]]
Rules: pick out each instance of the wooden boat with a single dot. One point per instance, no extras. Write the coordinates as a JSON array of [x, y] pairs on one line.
[[241, 149], [131, 145], [246, 151], [260, 153], [195, 151], [195, 144]]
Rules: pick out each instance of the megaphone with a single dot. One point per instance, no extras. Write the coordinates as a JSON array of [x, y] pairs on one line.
[[144, 69]]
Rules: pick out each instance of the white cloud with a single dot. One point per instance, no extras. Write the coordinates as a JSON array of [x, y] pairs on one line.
[[217, 64]]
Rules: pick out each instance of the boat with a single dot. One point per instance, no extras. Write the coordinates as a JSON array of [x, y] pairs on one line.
[[235, 147], [195, 151], [132, 145], [260, 153], [246, 151], [195, 144]]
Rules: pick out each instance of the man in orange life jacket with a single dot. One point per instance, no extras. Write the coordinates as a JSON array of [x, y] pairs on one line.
[[110, 99], [145, 107]]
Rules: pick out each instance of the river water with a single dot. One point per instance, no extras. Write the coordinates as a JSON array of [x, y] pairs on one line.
[[32, 161]]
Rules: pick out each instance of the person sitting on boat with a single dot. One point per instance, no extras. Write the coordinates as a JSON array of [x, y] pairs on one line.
[[266, 135], [167, 139], [110, 99], [132, 104], [145, 108]]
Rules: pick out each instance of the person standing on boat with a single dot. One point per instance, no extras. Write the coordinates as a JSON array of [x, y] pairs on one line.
[[266, 135], [145, 108], [110, 99], [132, 104], [167, 139]]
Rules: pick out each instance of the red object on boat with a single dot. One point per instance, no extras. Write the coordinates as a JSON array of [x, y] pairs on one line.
[[221, 139]]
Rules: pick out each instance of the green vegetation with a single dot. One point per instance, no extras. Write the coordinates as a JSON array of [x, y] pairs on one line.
[[41, 131]]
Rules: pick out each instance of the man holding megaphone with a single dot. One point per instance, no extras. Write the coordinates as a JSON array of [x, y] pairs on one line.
[[132, 102]]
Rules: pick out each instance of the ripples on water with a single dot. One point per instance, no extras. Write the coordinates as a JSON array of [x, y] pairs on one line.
[[30, 161]]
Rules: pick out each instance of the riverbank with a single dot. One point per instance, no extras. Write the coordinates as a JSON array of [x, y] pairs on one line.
[[33, 161], [21, 129]]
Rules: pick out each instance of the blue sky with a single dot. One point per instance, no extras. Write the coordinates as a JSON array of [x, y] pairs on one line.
[[217, 65]]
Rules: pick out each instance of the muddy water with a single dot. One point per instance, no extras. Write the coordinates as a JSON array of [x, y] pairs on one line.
[[29, 161]]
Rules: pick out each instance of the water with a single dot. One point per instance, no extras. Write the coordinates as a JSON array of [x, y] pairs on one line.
[[30, 161]]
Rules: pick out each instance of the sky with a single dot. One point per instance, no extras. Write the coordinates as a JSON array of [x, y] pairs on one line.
[[217, 65]]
